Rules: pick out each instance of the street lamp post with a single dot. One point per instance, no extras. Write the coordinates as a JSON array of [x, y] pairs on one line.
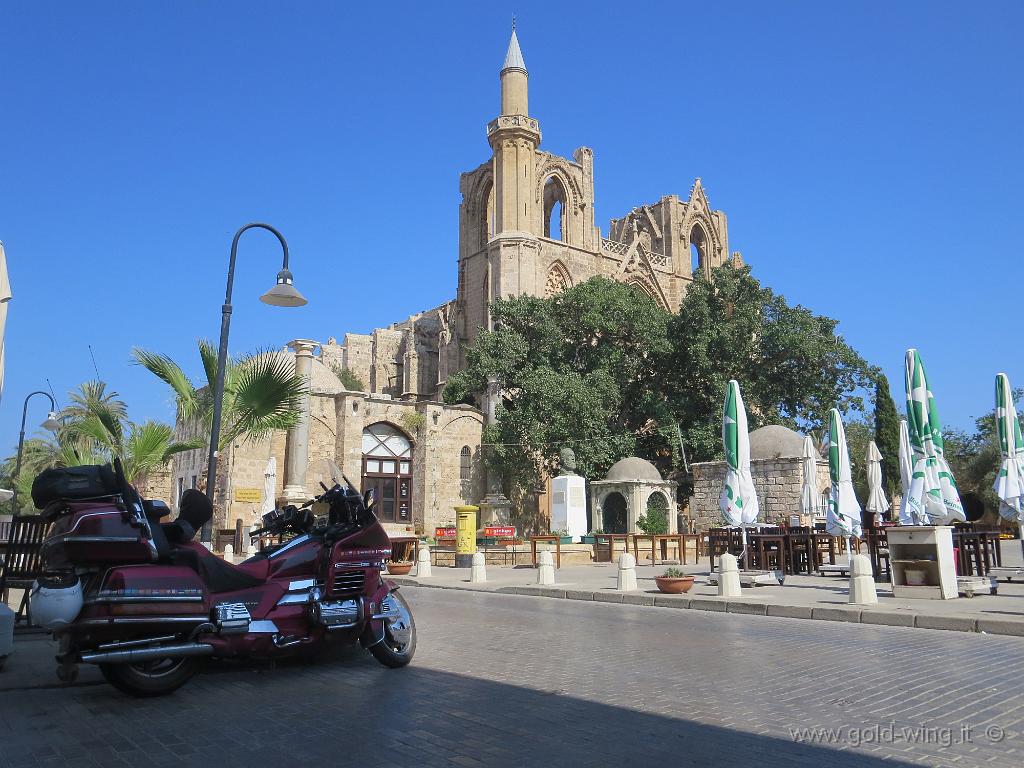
[[283, 294], [51, 424]]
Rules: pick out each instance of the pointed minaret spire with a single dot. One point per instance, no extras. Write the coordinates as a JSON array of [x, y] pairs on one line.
[[514, 57]]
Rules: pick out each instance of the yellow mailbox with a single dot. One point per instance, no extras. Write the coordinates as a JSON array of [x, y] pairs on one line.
[[465, 535]]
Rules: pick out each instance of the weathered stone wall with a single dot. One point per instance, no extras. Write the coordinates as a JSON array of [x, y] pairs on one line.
[[776, 481]]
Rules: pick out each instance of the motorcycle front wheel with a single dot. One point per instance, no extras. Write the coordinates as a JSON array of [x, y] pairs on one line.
[[399, 643], [151, 678]]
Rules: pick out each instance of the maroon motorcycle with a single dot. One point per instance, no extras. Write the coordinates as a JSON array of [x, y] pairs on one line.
[[148, 605]]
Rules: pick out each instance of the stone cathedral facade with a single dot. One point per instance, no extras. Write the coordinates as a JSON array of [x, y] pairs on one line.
[[526, 226]]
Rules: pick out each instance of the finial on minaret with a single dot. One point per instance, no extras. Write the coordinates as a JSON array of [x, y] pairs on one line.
[[514, 57]]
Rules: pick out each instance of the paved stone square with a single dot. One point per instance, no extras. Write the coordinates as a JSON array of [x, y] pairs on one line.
[[510, 680]]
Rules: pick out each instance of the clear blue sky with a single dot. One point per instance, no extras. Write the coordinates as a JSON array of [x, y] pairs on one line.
[[868, 155]]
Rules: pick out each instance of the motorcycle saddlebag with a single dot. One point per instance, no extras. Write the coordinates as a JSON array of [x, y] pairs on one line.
[[73, 484], [95, 533]]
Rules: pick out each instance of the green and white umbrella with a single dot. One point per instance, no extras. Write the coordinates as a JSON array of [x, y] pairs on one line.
[[933, 494], [876, 503], [738, 499], [843, 517], [1009, 485], [906, 475]]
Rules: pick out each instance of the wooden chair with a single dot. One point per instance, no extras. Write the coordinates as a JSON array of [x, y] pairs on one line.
[[878, 547], [719, 542], [801, 555], [22, 561]]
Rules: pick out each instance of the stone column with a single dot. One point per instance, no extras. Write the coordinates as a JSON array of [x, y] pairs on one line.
[[297, 447]]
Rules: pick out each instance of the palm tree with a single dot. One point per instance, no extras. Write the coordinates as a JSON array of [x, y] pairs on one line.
[[262, 392]]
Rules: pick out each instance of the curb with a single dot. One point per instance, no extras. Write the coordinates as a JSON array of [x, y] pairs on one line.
[[854, 614]]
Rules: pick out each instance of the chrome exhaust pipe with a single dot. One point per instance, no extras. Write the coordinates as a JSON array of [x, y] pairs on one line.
[[133, 655]]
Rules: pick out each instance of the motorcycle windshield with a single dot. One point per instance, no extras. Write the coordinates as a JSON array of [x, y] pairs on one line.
[[331, 470]]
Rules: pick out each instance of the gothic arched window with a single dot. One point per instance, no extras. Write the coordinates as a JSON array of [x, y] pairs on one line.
[[465, 463], [558, 281], [698, 250], [554, 209]]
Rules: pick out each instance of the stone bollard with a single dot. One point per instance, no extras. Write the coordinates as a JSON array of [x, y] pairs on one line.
[[627, 573], [423, 563], [728, 576], [229, 552], [545, 568], [862, 581], [478, 573]]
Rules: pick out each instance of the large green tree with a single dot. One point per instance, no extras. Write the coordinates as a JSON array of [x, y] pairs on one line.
[[887, 435], [791, 365], [578, 370]]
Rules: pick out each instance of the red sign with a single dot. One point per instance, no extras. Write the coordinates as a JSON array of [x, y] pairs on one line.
[[444, 533], [500, 532]]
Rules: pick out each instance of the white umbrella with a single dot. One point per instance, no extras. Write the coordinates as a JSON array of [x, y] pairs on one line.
[[907, 516], [269, 486], [876, 503], [5, 297], [809, 489], [738, 499], [843, 517]]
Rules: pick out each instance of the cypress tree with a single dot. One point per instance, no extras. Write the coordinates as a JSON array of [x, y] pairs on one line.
[[887, 435]]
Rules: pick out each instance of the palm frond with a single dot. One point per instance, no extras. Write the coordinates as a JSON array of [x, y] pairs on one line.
[[168, 371], [267, 396], [208, 353]]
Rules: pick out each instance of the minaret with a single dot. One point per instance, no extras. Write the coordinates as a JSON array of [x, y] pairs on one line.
[[514, 137]]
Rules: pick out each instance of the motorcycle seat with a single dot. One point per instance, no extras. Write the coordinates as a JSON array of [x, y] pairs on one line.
[[218, 575]]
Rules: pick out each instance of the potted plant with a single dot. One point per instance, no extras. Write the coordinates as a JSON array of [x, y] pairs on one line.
[[673, 582], [563, 536], [401, 561], [591, 538]]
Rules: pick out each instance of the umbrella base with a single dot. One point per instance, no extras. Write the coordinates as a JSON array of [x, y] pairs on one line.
[[834, 570], [969, 586], [755, 578]]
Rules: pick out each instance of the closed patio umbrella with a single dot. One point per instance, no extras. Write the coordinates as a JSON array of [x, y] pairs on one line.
[[269, 486], [843, 517], [933, 493], [1009, 485], [738, 499], [876, 503], [5, 298], [906, 472], [809, 488]]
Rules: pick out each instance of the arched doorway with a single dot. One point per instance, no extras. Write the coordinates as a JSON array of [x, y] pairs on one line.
[[613, 513], [657, 513], [387, 468]]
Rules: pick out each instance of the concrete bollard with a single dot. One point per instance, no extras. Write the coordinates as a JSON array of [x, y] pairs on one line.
[[423, 563], [229, 552], [478, 573], [545, 568], [862, 581], [728, 576], [627, 573]]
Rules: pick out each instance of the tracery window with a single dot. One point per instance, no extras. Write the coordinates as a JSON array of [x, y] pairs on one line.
[[557, 282], [387, 468]]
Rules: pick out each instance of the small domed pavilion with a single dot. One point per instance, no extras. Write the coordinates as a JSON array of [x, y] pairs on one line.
[[632, 488]]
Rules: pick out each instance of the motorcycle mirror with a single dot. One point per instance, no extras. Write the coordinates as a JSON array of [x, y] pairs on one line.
[[369, 499]]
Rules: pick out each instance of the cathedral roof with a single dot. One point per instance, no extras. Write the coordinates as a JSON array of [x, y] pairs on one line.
[[514, 57]]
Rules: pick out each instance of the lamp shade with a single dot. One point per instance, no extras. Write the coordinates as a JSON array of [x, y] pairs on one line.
[[284, 294], [52, 423]]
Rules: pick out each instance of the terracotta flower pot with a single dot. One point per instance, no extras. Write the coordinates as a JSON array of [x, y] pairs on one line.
[[399, 569], [674, 585]]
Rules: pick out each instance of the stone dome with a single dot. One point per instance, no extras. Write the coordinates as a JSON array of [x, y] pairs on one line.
[[777, 442], [323, 381], [634, 468]]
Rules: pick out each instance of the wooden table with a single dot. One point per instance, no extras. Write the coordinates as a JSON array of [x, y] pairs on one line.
[[558, 548], [659, 538]]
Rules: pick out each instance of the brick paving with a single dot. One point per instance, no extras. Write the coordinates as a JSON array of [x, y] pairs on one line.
[[511, 680]]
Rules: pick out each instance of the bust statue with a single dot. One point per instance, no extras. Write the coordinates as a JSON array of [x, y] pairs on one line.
[[566, 462]]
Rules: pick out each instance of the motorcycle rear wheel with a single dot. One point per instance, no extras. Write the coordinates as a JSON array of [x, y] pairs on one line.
[[399, 643], [151, 678]]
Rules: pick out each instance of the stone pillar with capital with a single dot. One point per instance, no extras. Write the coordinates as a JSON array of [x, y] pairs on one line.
[[297, 444], [495, 509]]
